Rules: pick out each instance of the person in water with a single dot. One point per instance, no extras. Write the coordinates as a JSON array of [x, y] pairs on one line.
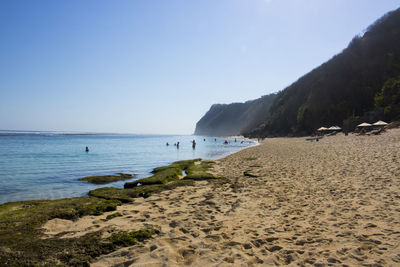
[[87, 149], [167, 144], [177, 145], [193, 144]]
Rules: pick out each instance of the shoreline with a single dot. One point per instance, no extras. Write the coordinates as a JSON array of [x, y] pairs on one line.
[[63, 182], [329, 202], [255, 143]]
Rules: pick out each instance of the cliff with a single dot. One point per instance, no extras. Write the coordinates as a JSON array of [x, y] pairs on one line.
[[233, 119]]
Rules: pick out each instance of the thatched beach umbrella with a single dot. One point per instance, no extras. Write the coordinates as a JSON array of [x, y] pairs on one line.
[[364, 127], [380, 123], [322, 129], [334, 128], [364, 124]]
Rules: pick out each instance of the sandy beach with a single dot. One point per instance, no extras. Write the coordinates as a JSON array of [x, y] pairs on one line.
[[335, 202]]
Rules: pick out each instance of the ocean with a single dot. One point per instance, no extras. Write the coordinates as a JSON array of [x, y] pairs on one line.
[[47, 165]]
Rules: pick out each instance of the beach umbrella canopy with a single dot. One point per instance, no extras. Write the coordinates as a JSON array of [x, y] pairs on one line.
[[364, 124], [322, 129], [380, 123], [335, 128]]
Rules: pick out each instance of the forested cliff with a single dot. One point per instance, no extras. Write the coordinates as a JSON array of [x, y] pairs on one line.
[[360, 83], [232, 119], [349, 88]]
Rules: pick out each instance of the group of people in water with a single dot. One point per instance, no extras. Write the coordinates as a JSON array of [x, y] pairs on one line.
[[194, 143], [176, 144]]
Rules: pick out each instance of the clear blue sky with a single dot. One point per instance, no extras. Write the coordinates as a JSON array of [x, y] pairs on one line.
[[156, 66]]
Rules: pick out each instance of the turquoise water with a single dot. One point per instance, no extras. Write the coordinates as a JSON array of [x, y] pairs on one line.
[[44, 165]]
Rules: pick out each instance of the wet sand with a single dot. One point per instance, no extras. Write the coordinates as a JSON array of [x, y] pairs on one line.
[[329, 203]]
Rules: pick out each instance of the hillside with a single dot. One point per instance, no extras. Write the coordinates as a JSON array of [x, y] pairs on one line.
[[232, 119], [360, 83]]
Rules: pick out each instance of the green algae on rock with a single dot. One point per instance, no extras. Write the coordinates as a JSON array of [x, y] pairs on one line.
[[199, 171], [21, 242], [126, 239], [106, 179], [249, 159], [163, 178], [164, 174], [128, 194], [113, 215], [160, 177], [195, 169]]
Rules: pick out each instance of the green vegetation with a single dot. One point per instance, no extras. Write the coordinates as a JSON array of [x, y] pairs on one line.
[[249, 174], [163, 178], [160, 177], [126, 239], [113, 215], [389, 99], [166, 174], [70, 251], [105, 179], [359, 84], [182, 164], [199, 171], [111, 193], [126, 195]]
